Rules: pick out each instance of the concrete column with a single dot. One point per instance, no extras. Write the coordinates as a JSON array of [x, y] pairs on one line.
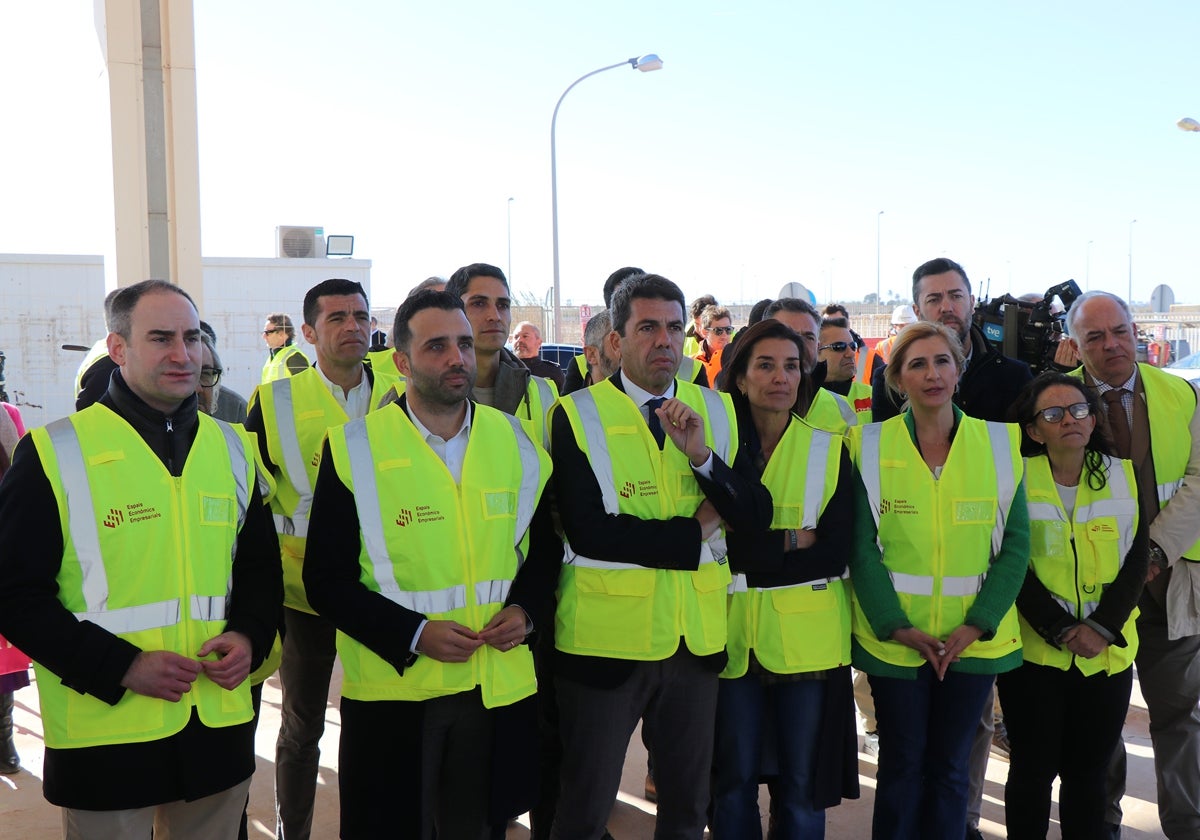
[[150, 54]]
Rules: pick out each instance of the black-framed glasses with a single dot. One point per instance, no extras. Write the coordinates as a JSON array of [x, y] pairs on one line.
[[273, 330], [721, 330], [1055, 413], [210, 376], [839, 346]]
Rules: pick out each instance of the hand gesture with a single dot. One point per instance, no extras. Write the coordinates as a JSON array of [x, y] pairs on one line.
[[161, 674], [233, 659], [1083, 641], [506, 630], [685, 428], [963, 637], [448, 641]]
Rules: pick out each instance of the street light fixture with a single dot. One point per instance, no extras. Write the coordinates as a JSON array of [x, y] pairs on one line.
[[644, 63], [878, 301], [510, 279], [1129, 297]]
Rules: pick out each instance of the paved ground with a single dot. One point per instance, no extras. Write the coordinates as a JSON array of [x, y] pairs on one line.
[[24, 813]]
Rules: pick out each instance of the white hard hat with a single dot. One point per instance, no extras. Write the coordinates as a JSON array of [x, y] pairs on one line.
[[903, 315]]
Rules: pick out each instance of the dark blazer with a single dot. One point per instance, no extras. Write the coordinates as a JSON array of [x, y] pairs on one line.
[[987, 390], [735, 491]]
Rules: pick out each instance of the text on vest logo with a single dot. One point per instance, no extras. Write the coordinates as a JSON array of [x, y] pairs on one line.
[[900, 507], [404, 518], [114, 518]]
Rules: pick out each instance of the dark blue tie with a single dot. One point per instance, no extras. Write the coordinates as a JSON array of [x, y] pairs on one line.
[[656, 428]]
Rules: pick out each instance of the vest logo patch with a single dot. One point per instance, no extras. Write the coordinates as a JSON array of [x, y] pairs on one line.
[[316, 459], [627, 490], [973, 511], [114, 518], [422, 515], [216, 509], [863, 405], [140, 512], [899, 507]]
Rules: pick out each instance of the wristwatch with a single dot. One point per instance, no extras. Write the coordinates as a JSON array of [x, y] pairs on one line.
[[1158, 557]]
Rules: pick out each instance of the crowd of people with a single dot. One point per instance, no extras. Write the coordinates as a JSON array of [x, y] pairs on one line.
[[724, 535]]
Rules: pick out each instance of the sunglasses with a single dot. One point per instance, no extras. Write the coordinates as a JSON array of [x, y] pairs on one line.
[[839, 346], [1055, 413], [209, 376], [721, 330], [273, 330]]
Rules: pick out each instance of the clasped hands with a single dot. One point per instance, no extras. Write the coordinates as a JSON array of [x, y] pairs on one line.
[[933, 650], [449, 641], [167, 675]]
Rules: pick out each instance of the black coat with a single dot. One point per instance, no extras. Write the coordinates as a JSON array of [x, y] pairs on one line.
[[987, 390]]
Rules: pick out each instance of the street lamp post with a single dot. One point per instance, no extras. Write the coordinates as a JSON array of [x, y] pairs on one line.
[[878, 300], [1129, 296], [510, 279], [645, 63]]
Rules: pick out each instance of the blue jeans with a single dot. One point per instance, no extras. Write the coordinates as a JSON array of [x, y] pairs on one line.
[[795, 710], [925, 733]]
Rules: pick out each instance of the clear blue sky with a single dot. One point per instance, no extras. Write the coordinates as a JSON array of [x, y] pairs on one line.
[[1005, 135]]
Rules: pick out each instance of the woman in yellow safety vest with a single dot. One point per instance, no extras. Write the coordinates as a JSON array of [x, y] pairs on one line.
[[1064, 708], [789, 612], [940, 549]]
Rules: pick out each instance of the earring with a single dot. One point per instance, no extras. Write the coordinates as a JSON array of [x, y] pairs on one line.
[[903, 395]]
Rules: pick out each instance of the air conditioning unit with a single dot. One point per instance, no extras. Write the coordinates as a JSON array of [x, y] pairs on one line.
[[299, 242]]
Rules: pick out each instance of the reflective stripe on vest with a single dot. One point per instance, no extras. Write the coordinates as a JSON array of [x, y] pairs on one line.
[[1006, 489], [82, 528], [546, 398], [366, 497], [740, 583], [1006, 483], [602, 467], [289, 442]]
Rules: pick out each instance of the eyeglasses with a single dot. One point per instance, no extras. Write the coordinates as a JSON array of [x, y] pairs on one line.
[[209, 376], [273, 330], [839, 346], [1055, 413], [721, 330]]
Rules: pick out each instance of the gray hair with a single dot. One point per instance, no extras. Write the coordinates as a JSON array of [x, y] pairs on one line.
[[536, 330], [1073, 312], [598, 326]]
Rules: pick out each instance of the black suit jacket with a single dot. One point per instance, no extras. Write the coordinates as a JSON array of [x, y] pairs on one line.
[[736, 492]]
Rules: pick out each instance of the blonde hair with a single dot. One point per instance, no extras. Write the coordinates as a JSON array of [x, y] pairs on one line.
[[912, 334]]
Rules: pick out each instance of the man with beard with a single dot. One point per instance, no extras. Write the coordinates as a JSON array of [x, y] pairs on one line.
[[433, 552], [989, 384], [991, 381]]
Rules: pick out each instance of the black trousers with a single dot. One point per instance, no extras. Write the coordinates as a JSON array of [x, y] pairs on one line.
[[1060, 723]]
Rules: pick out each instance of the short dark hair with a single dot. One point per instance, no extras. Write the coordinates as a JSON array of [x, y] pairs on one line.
[[616, 279], [837, 309], [643, 286], [282, 320], [840, 323], [792, 305], [757, 311], [428, 299], [207, 329], [939, 266], [126, 299], [700, 304], [461, 279], [326, 288]]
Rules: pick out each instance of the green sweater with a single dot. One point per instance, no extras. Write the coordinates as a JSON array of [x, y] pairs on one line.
[[874, 592]]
